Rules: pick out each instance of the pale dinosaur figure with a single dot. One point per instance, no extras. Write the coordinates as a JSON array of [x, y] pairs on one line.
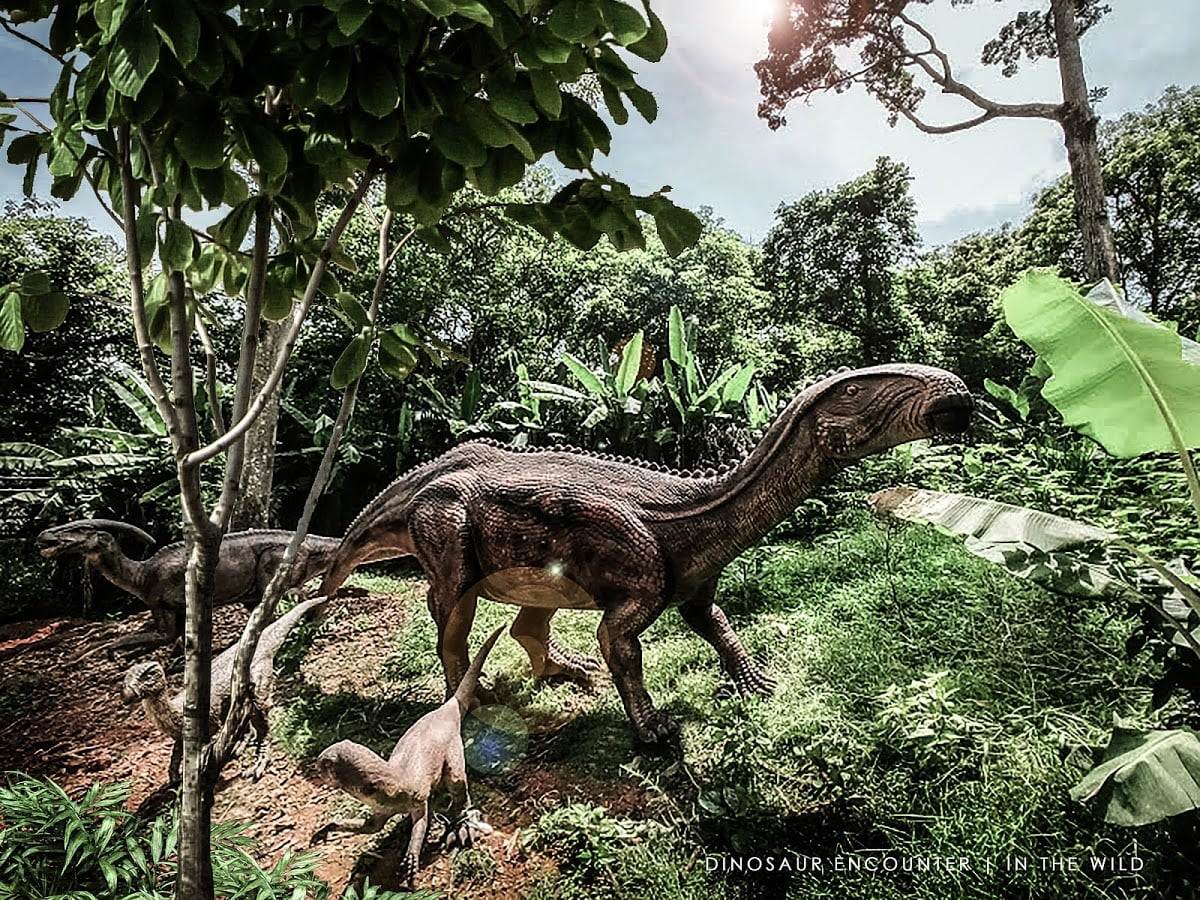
[[560, 527], [429, 754], [147, 682], [248, 560]]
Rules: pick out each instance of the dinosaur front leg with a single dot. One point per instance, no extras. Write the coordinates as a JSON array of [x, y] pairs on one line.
[[618, 634], [707, 620], [454, 631], [547, 657]]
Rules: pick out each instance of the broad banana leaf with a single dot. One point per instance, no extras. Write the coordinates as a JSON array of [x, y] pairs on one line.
[[631, 363], [1030, 544], [1119, 377], [1145, 776]]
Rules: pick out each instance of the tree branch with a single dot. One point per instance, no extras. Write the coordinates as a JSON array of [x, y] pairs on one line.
[[946, 129], [210, 376], [242, 425], [133, 256], [34, 42], [240, 686], [950, 85]]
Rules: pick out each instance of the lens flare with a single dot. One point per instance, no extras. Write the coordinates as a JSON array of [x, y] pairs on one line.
[[495, 739]]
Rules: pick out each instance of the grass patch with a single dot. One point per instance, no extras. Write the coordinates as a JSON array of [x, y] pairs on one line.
[[929, 707]]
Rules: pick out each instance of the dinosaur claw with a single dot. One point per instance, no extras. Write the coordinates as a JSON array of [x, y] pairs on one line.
[[656, 729], [753, 680]]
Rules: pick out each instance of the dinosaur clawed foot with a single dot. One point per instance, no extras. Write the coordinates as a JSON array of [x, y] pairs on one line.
[[565, 663], [407, 871], [655, 729], [462, 833], [752, 679]]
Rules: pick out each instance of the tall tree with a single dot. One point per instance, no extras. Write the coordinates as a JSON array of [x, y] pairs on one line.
[[898, 57], [1152, 171], [832, 256], [160, 106]]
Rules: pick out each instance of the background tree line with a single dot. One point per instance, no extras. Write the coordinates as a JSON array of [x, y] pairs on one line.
[[841, 279]]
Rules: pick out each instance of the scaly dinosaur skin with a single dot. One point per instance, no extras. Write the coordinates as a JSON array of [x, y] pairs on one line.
[[560, 527], [428, 754], [247, 562], [147, 682]]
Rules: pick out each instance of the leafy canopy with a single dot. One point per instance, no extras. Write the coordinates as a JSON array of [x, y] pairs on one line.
[[312, 96]]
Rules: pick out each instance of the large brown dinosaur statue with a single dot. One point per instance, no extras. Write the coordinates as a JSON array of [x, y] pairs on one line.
[[559, 527], [247, 562]]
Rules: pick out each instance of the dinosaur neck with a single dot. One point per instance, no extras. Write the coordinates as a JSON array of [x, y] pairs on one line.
[[125, 573], [160, 711], [722, 516]]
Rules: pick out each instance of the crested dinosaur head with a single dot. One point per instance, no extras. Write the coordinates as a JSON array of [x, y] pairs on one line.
[[146, 679], [86, 537], [859, 412]]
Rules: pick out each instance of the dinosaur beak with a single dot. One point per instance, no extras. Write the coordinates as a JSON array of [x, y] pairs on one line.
[[950, 413], [128, 696], [50, 544]]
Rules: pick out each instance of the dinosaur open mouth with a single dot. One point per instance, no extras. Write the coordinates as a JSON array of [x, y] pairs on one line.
[[951, 414], [49, 545]]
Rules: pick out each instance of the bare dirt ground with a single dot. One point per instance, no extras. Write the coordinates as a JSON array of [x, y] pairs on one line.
[[66, 720]]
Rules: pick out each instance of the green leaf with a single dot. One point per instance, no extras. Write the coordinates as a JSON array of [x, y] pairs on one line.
[[546, 93], [735, 389], [277, 298], [1145, 776], [574, 20], [631, 364], [335, 77], [266, 147], [508, 102], [34, 283], [625, 22], [351, 364], [475, 11], [643, 101], [201, 138], [677, 347], [396, 358], [458, 142], [612, 100], [584, 375], [353, 309], [678, 228], [495, 131], [134, 57], [179, 26], [1019, 402], [654, 44], [46, 312], [177, 247], [378, 91], [351, 16], [12, 326], [1119, 377]]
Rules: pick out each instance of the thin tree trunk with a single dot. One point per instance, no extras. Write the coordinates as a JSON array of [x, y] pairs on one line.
[[1079, 123], [252, 507]]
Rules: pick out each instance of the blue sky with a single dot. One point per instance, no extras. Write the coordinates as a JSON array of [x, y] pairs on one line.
[[710, 146]]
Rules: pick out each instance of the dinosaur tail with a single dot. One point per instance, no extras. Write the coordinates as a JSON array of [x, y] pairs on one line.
[[466, 688], [278, 630]]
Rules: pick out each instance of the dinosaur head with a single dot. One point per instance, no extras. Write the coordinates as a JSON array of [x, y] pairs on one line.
[[859, 412], [86, 537], [146, 679], [361, 773]]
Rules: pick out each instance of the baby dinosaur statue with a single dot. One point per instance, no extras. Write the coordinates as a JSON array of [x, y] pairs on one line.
[[428, 754], [147, 682], [248, 560], [559, 527]]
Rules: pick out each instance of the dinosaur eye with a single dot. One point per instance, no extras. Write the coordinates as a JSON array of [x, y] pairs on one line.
[[851, 390]]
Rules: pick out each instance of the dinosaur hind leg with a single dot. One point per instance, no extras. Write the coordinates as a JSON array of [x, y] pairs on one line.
[[547, 657], [707, 620], [618, 632]]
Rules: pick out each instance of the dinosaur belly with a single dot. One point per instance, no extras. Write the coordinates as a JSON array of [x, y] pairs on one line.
[[545, 588]]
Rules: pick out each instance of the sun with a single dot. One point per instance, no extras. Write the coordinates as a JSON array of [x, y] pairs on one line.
[[760, 12]]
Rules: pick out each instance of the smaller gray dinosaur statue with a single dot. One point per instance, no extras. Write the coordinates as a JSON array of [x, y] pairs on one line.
[[147, 682], [428, 754], [248, 560]]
